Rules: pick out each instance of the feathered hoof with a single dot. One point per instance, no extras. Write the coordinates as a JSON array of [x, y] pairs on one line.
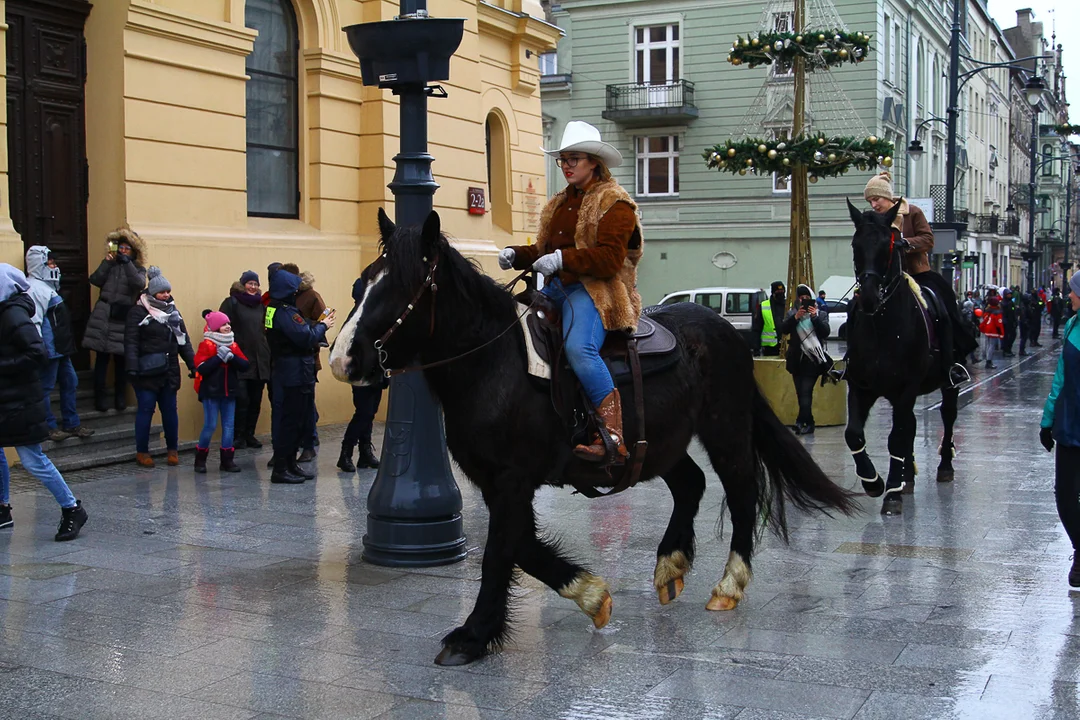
[[892, 505], [720, 602], [874, 488], [603, 615], [449, 657], [460, 647], [945, 476], [670, 591]]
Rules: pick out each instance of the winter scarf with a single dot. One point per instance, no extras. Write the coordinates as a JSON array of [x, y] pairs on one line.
[[219, 338], [808, 339], [164, 313], [248, 299]]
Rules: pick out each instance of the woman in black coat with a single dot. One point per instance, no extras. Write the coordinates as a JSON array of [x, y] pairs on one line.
[[22, 403], [806, 359], [247, 315], [155, 339]]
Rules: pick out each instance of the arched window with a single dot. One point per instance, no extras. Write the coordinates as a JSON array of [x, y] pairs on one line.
[[498, 172], [273, 188], [1048, 152]]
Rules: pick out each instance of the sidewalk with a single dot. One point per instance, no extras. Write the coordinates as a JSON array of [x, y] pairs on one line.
[[223, 596]]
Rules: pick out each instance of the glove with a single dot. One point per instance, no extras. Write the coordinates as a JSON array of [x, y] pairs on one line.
[[1046, 437], [191, 374], [506, 258], [174, 319], [549, 264], [122, 258], [224, 353]]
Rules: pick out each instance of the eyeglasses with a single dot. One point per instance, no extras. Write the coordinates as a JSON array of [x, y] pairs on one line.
[[569, 161]]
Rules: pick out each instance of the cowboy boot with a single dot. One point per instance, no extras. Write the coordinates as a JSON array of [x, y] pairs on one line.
[[610, 413], [200, 459]]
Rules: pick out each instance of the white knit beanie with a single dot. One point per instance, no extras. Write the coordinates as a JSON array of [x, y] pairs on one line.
[[879, 186]]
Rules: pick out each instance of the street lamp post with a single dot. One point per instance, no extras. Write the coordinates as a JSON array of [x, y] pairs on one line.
[[414, 505], [1034, 151]]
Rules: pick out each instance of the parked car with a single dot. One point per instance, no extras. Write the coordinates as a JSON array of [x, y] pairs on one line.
[[838, 310], [736, 305]]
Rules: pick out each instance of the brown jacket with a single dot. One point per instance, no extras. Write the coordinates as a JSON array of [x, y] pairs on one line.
[[310, 304], [920, 236], [607, 242]]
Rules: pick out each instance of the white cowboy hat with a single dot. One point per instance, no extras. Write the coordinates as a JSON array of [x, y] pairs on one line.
[[582, 137]]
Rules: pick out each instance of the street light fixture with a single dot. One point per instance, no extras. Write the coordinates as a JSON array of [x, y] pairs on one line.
[[915, 147], [1034, 89]]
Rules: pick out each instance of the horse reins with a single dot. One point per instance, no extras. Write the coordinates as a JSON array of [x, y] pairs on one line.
[[891, 286], [429, 282]]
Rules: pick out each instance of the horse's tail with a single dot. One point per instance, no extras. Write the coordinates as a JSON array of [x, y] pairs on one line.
[[790, 473]]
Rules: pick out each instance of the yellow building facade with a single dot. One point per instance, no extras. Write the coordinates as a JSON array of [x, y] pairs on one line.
[[167, 118]]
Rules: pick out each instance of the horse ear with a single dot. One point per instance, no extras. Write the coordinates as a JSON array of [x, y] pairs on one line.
[[386, 225], [856, 216], [432, 232], [892, 212]]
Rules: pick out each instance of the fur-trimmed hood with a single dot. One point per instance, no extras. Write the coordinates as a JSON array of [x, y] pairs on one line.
[[132, 238], [307, 281]]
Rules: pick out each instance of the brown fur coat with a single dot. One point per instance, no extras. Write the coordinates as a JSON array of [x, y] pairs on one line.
[[616, 298]]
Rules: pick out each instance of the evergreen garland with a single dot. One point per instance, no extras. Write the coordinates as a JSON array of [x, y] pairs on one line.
[[824, 48], [1067, 129], [823, 156]]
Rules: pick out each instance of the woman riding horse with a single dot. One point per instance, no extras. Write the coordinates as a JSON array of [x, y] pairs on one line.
[[588, 247], [912, 224]]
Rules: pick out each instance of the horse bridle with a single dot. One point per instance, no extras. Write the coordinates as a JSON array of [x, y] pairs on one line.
[[429, 282], [887, 287]]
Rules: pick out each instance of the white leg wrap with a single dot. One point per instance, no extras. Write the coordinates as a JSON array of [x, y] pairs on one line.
[[860, 450]]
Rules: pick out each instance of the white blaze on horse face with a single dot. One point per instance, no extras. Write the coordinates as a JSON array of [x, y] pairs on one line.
[[339, 357]]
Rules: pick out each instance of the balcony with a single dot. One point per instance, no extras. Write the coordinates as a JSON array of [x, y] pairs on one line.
[[634, 104], [985, 224], [1011, 226], [938, 193]]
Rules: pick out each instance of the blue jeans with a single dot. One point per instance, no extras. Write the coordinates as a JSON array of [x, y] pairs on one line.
[[165, 398], [35, 462], [61, 371], [212, 407], [583, 334]]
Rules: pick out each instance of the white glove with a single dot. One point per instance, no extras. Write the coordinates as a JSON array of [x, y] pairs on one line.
[[506, 258], [549, 264]]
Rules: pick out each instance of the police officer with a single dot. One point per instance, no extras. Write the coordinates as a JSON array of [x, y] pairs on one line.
[[293, 341], [767, 318]]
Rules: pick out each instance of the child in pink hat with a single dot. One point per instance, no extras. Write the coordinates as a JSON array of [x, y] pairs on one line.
[[217, 363]]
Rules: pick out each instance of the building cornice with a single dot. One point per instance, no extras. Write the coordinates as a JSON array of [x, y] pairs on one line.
[[159, 21]]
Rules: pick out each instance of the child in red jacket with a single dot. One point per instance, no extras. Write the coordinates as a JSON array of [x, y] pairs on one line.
[[217, 362], [993, 329]]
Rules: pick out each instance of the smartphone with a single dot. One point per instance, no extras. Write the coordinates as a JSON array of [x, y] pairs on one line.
[[325, 313], [808, 303], [114, 246]]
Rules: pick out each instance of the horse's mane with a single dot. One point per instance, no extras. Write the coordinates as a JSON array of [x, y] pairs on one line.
[[487, 300]]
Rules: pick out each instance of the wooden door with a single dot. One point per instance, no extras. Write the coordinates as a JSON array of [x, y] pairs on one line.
[[48, 173]]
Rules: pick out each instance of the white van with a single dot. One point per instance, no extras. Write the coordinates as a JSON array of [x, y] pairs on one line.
[[736, 305]]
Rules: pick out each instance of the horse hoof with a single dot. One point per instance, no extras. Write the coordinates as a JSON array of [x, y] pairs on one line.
[[603, 615], [893, 505], [874, 488], [670, 591], [909, 488], [449, 657], [718, 602], [945, 476]]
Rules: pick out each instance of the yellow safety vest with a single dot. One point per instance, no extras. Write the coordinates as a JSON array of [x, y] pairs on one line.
[[769, 338]]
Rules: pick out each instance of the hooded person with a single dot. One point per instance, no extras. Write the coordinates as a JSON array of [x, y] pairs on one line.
[[293, 340], [155, 340], [121, 277], [54, 323], [765, 337], [312, 306], [22, 403], [957, 339], [247, 316], [218, 362], [806, 358]]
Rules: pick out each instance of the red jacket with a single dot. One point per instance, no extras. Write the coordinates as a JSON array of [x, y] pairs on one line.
[[214, 378], [991, 324]]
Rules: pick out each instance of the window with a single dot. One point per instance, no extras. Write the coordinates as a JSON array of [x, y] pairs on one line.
[[890, 70], [658, 165], [681, 297], [740, 303], [498, 172], [897, 63], [713, 301], [549, 63], [273, 188], [656, 54], [783, 22], [781, 185]]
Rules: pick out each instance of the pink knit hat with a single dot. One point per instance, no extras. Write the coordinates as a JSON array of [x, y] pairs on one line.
[[214, 321]]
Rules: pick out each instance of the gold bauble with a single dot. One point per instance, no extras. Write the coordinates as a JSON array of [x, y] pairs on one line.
[[786, 161], [821, 141], [843, 53], [761, 148], [743, 43], [749, 162], [754, 42], [821, 38], [872, 139], [723, 163], [798, 38], [887, 162], [813, 178], [772, 154], [742, 171], [832, 157], [736, 61], [731, 152]]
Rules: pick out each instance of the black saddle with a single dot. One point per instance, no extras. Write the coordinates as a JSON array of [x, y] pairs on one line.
[[655, 344]]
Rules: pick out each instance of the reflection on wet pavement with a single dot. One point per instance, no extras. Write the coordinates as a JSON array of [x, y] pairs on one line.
[[227, 597]]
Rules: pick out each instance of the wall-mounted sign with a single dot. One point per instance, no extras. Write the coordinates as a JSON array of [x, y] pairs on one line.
[[724, 260], [477, 206]]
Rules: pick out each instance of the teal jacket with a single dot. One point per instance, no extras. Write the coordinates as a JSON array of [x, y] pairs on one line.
[[1062, 409]]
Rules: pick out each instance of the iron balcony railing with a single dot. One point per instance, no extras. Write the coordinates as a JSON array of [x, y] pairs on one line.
[[636, 96], [1011, 226], [937, 194]]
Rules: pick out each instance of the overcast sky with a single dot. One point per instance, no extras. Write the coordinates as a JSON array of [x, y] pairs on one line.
[[1065, 15]]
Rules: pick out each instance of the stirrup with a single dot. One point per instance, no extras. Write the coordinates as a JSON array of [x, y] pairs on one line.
[[962, 371]]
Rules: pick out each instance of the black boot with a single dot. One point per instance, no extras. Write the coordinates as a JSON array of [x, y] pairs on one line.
[[367, 458], [239, 443], [227, 464], [283, 475], [5, 517], [1074, 573], [253, 442], [71, 521], [200, 459], [272, 462], [101, 400], [295, 469], [306, 456], [344, 461]]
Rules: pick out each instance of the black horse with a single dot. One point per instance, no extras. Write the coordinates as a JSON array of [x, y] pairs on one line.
[[423, 300], [890, 355]]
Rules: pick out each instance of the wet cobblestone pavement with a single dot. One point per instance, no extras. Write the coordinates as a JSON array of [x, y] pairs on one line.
[[223, 596]]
